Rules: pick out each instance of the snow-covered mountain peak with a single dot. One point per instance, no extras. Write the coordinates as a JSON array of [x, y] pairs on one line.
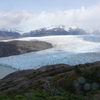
[[74, 27], [55, 27]]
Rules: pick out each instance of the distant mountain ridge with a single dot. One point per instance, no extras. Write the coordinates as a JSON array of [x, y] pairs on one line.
[[54, 31], [5, 34], [47, 32], [57, 30]]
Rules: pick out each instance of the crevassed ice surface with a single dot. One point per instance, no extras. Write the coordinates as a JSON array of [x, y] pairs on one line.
[[68, 49]]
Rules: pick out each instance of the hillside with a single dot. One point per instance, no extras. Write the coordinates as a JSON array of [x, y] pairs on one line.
[[21, 47], [54, 82]]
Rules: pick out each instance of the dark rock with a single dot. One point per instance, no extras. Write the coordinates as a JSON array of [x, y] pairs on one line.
[[79, 92], [11, 91], [19, 74], [19, 47], [29, 79], [52, 67], [43, 77]]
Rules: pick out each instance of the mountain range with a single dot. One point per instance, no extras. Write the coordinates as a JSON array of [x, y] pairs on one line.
[[5, 34], [54, 31]]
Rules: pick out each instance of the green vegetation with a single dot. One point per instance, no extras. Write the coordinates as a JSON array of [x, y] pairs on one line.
[[42, 95], [76, 83]]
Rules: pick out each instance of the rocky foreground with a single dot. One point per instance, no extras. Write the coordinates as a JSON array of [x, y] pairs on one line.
[[20, 47], [83, 79]]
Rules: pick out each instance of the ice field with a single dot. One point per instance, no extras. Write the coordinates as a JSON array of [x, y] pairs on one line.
[[67, 49]]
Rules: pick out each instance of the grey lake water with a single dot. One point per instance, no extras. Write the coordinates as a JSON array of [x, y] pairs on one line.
[[4, 70]]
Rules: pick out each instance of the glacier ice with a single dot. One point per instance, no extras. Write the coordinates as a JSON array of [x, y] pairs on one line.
[[67, 49]]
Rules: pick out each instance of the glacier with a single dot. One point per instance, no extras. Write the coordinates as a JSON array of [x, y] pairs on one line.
[[67, 49]]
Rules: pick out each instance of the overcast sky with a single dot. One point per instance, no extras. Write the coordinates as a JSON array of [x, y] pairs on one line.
[[27, 15]]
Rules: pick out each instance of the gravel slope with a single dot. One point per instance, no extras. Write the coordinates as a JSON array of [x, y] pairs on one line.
[[20, 47]]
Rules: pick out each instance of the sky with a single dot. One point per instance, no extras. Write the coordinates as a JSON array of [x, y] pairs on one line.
[[27, 15]]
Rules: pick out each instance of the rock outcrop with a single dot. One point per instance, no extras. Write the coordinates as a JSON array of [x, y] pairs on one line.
[[47, 78], [30, 79], [20, 47]]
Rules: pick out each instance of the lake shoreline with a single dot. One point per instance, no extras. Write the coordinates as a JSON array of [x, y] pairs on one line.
[[5, 70]]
